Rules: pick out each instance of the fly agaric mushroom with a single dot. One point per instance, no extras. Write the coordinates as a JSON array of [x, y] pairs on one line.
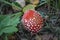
[[32, 21]]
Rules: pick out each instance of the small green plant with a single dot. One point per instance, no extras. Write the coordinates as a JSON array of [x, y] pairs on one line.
[[8, 24]]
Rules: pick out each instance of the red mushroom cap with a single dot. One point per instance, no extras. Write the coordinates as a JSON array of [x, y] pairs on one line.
[[32, 21]]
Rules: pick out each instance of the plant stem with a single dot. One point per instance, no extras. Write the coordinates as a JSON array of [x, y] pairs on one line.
[[5, 37]]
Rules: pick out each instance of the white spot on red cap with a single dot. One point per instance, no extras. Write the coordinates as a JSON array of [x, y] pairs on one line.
[[30, 19], [35, 25], [34, 18], [38, 25], [32, 25], [34, 28], [25, 20], [31, 28], [28, 25]]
